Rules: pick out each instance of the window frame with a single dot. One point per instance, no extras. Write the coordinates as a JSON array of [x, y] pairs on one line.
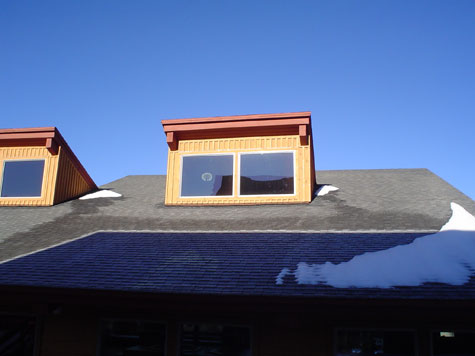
[[233, 154], [239, 195], [22, 160]]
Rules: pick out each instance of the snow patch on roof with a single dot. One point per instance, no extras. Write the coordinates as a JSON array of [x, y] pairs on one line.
[[447, 256], [280, 277], [101, 194], [325, 189]]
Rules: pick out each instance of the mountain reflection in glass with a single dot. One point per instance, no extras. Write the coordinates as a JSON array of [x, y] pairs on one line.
[[267, 173], [207, 175], [22, 178]]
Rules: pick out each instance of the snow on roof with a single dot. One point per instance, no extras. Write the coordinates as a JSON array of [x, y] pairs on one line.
[[325, 189], [101, 194], [447, 256]]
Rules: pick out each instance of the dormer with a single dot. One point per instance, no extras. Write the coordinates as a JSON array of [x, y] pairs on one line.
[[37, 168], [240, 160]]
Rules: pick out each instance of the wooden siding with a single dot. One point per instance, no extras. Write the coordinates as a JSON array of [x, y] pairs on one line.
[[303, 175], [69, 181], [49, 175]]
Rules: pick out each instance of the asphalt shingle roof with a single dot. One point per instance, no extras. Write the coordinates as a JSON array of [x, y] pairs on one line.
[[367, 201], [211, 263]]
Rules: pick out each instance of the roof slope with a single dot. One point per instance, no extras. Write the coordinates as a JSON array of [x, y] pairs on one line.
[[216, 264], [367, 201]]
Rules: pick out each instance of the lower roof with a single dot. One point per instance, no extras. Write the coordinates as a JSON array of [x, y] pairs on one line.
[[247, 264]]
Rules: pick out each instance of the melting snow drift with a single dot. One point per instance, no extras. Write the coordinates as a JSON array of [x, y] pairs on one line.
[[101, 194], [447, 256], [325, 189]]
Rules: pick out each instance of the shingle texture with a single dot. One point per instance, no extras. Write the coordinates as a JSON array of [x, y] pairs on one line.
[[207, 263], [367, 201]]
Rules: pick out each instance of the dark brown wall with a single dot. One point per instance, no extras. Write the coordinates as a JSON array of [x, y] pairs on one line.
[[69, 325], [69, 335]]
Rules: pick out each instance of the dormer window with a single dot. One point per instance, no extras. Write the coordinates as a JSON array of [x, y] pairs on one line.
[[37, 168], [266, 173], [207, 175], [22, 178], [250, 159]]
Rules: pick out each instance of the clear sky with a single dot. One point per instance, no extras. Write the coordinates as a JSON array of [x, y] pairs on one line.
[[390, 84]]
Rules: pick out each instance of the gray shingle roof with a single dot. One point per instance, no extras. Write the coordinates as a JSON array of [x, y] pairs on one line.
[[212, 264], [367, 200]]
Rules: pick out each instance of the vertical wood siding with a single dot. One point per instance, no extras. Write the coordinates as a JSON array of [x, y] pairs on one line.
[[49, 175], [69, 182], [303, 174]]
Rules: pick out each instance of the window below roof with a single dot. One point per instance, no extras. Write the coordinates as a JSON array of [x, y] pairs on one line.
[[364, 342], [17, 335], [214, 339], [132, 337], [453, 343], [22, 178]]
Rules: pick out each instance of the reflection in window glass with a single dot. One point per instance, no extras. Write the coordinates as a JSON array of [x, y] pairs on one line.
[[453, 343], [208, 175], [267, 173], [22, 178], [132, 337], [215, 339], [17, 335], [374, 342]]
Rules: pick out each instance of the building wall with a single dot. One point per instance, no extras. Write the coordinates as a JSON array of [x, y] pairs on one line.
[[303, 179], [49, 177], [76, 335], [74, 330]]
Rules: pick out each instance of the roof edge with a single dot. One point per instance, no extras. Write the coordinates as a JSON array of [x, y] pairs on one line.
[[290, 115]]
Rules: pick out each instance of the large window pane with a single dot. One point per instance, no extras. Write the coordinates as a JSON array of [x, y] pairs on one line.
[[132, 338], [215, 339], [17, 335], [375, 342], [207, 175], [453, 343], [267, 173], [22, 178]]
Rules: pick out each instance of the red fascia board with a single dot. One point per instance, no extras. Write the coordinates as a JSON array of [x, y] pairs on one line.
[[28, 129], [292, 115], [177, 126], [26, 135]]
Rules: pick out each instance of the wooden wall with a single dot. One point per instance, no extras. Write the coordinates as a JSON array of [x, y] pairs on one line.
[[303, 179], [49, 177], [69, 181]]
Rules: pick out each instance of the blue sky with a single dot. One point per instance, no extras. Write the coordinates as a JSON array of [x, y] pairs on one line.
[[390, 84]]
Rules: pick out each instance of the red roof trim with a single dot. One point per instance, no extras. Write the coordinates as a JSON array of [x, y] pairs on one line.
[[174, 129], [289, 115]]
